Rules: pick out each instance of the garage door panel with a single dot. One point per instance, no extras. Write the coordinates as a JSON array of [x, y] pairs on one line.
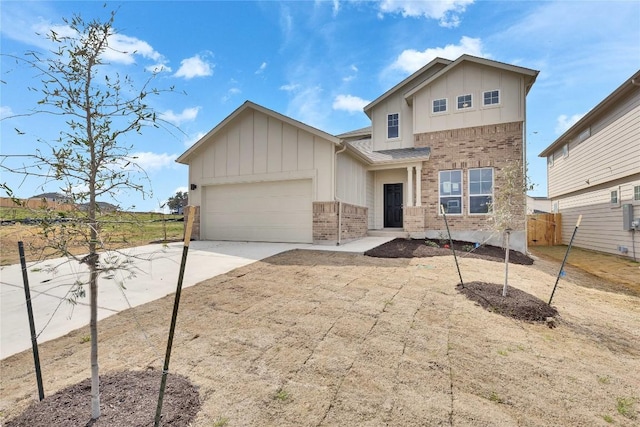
[[265, 211]]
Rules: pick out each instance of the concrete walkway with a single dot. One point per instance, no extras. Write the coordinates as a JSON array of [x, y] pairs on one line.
[[155, 269]]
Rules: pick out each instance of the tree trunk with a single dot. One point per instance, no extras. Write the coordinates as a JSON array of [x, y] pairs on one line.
[[506, 264]]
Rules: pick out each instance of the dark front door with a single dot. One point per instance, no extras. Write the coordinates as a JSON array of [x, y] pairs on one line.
[[393, 205]]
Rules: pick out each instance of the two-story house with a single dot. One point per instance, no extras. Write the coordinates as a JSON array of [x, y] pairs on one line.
[[439, 137], [593, 170]]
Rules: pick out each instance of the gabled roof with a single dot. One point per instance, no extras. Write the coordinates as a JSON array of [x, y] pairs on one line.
[[413, 79], [366, 131], [625, 88], [184, 157], [532, 74], [363, 149]]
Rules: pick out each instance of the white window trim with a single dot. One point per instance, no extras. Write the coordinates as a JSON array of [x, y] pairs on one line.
[[446, 109], [617, 203], [565, 150], [550, 160], [399, 128], [469, 195], [499, 103], [633, 195], [461, 192], [467, 108]]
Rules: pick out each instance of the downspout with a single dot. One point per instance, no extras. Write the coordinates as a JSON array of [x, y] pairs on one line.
[[335, 194]]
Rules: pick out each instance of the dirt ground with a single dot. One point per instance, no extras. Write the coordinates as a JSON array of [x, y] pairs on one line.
[[310, 338]]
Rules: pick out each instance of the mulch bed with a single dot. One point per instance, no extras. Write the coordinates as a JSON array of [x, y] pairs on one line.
[[127, 398], [414, 248], [517, 304]]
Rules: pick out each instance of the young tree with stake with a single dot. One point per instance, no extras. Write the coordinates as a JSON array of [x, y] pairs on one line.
[[507, 206], [90, 158]]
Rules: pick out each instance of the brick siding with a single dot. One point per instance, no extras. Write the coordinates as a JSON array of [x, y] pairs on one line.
[[464, 149], [325, 222], [414, 219]]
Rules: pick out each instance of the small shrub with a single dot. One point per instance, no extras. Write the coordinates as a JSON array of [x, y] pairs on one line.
[[431, 243], [221, 422], [495, 398], [625, 407], [467, 248], [281, 395], [608, 418]]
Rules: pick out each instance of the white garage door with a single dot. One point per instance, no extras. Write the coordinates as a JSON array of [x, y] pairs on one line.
[[278, 211]]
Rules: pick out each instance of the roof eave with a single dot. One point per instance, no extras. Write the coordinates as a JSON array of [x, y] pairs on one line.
[[184, 157], [369, 107], [622, 90]]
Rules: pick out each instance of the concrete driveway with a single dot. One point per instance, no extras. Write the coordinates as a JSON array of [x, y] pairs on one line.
[[156, 268]]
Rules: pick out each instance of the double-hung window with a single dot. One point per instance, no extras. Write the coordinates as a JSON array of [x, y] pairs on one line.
[[480, 190], [393, 125], [451, 191]]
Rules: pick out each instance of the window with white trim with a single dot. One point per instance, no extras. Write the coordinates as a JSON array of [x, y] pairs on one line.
[[450, 189], [636, 193], [439, 105], [480, 190], [393, 125], [614, 199], [491, 97], [550, 160], [565, 150], [465, 101]]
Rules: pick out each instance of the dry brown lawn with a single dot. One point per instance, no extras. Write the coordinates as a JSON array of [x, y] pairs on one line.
[[310, 338]]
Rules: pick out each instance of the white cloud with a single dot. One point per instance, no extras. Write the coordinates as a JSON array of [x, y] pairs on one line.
[[192, 140], [411, 60], [195, 66], [158, 68], [336, 7], [5, 112], [261, 69], [291, 87], [564, 122], [121, 49], [349, 103], [354, 71], [447, 12], [149, 161], [187, 115], [307, 105], [230, 93]]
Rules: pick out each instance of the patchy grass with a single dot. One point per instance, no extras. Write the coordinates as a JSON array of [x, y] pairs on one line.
[[120, 230], [620, 270]]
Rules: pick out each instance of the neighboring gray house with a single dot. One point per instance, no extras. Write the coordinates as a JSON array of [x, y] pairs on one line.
[[439, 137], [593, 170]]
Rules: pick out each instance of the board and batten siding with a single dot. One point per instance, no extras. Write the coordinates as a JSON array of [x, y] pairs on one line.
[[255, 147], [601, 228], [351, 180], [474, 79], [611, 152], [391, 105]]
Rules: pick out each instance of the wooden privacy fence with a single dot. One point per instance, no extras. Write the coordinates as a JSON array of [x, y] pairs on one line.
[[544, 229]]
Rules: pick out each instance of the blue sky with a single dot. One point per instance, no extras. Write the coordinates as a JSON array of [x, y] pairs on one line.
[[319, 62]]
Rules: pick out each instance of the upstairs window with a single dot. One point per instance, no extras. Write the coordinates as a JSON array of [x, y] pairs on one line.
[[480, 190], [636, 193], [614, 199], [491, 97], [440, 105], [465, 101], [451, 191], [393, 125]]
